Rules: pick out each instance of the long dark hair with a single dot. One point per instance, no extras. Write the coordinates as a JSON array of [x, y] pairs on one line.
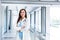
[[19, 18]]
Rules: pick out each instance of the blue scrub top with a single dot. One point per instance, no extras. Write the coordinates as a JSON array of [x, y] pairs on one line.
[[20, 33], [20, 24]]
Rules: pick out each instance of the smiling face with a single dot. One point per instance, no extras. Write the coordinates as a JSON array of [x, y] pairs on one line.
[[22, 14]]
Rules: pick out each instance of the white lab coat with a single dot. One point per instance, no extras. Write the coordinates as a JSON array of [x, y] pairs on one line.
[[26, 32]]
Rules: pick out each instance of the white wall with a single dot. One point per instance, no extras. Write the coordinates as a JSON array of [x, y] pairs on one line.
[[47, 23]]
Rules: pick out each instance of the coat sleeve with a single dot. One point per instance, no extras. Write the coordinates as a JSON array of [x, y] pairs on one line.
[[17, 28], [26, 24]]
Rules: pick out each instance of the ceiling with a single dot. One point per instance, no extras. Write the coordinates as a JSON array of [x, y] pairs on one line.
[[17, 7], [46, 2]]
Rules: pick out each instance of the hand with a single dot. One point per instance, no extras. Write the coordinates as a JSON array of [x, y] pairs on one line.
[[19, 30]]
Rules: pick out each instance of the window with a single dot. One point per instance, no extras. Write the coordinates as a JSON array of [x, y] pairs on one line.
[[54, 16], [32, 19], [38, 20], [55, 22]]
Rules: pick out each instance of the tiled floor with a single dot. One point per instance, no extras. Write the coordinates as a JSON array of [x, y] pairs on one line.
[[9, 38], [12, 36]]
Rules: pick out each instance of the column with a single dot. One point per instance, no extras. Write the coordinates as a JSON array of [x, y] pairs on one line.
[[43, 20]]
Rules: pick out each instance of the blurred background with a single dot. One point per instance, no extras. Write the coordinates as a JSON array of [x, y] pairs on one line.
[[36, 18], [44, 21], [43, 17]]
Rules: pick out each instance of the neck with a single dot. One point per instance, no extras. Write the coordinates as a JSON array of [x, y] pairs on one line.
[[22, 18]]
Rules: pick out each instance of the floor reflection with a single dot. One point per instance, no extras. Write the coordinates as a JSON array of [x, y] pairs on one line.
[[33, 36]]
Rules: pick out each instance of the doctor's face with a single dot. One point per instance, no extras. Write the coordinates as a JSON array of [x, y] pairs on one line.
[[22, 14]]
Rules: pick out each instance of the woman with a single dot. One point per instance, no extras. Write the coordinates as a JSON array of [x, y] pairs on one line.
[[23, 29]]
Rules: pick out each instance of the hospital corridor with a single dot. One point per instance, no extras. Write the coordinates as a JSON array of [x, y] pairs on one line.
[[36, 23], [42, 22]]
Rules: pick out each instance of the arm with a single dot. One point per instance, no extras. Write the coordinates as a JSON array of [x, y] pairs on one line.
[[17, 28], [25, 26]]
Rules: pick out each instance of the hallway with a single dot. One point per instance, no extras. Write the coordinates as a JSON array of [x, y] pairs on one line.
[[34, 15]]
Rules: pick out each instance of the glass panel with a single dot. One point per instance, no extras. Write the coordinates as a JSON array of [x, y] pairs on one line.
[[32, 20], [38, 20], [54, 16], [55, 22]]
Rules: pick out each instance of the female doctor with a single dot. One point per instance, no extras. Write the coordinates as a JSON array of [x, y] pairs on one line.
[[23, 28]]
